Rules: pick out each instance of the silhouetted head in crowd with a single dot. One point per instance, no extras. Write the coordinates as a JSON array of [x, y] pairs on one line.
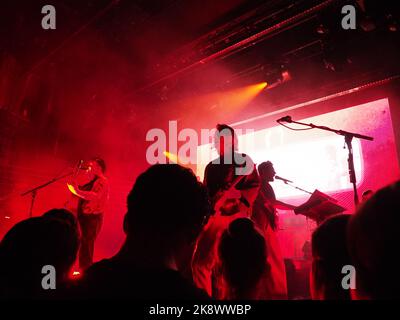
[[373, 238], [167, 208], [27, 248], [330, 254], [62, 215], [266, 171], [243, 259]]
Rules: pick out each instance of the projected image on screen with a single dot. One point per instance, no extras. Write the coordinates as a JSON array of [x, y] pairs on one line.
[[317, 162]]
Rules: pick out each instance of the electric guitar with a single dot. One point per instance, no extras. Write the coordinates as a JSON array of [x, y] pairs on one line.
[[229, 199]]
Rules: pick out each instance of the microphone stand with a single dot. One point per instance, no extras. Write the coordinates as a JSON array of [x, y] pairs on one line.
[[348, 137], [33, 191], [296, 187]]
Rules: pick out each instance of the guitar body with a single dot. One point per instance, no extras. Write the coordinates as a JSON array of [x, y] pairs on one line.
[[229, 200], [71, 204]]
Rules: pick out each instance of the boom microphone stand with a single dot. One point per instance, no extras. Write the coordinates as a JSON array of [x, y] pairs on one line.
[[33, 191], [296, 187], [348, 137]]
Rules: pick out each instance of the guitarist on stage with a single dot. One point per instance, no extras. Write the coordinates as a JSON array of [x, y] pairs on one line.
[[232, 182], [231, 167], [92, 199]]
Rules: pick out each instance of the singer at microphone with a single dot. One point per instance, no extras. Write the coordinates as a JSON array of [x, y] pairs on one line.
[[92, 196], [264, 216], [264, 208], [283, 179]]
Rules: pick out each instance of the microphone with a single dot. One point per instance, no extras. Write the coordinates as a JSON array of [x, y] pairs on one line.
[[285, 119], [283, 179]]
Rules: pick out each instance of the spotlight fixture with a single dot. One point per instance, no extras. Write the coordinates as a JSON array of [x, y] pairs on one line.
[[278, 77], [321, 29], [392, 23]]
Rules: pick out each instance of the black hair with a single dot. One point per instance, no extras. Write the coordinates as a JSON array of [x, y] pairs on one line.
[[221, 127], [222, 130], [330, 254], [167, 200], [30, 245], [243, 257], [262, 167], [61, 214], [373, 239]]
